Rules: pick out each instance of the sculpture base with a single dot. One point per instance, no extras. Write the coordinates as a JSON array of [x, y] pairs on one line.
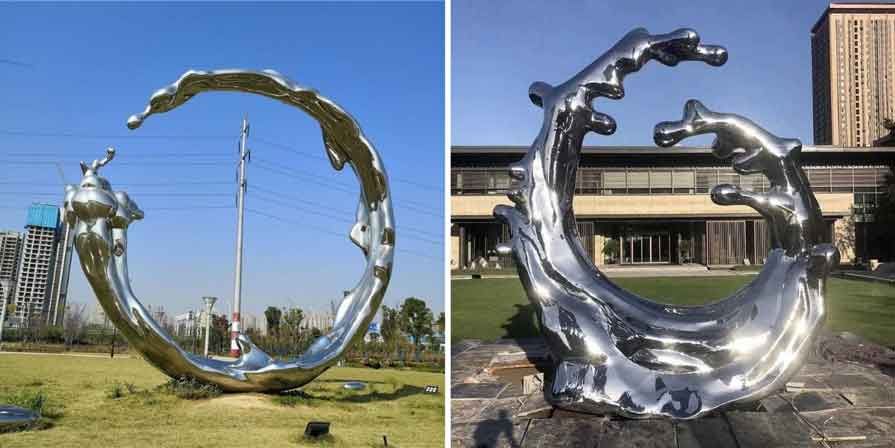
[[843, 398]]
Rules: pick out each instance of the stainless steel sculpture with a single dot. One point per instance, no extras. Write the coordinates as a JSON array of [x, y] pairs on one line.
[[13, 418], [616, 351], [103, 216]]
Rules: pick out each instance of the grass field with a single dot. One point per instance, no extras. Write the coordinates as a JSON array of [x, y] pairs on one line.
[[78, 391], [488, 309]]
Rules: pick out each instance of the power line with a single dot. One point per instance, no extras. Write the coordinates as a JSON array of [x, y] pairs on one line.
[[16, 133], [194, 207], [147, 208], [163, 194], [313, 178], [328, 183], [292, 150], [264, 141], [129, 184], [177, 154], [68, 157], [141, 163], [332, 233], [339, 218], [279, 195]]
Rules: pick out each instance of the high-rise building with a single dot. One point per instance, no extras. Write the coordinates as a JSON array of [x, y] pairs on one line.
[[62, 267], [42, 276], [853, 76], [186, 324], [10, 250], [321, 320]]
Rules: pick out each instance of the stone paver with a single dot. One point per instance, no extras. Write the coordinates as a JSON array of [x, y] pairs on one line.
[[709, 432]]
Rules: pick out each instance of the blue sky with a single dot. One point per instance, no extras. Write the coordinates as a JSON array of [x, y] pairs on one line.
[[500, 48], [70, 75]]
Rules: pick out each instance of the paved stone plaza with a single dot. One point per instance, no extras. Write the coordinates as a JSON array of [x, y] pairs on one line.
[[843, 397]]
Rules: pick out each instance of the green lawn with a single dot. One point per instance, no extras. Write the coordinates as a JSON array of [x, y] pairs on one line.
[[77, 388], [496, 308]]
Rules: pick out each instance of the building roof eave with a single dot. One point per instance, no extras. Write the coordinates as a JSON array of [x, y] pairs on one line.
[[647, 150]]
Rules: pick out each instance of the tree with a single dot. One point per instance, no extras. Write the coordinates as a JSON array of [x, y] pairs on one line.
[[74, 323], [291, 323], [845, 237], [273, 314], [220, 332], [390, 328], [440, 323], [884, 218], [611, 250], [415, 319]]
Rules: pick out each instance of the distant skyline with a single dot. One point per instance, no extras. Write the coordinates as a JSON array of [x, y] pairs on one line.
[[500, 48], [71, 74]]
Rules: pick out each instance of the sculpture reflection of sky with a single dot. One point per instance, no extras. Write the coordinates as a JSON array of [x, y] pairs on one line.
[[84, 69]]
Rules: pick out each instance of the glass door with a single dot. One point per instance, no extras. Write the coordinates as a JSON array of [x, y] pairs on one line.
[[645, 248]]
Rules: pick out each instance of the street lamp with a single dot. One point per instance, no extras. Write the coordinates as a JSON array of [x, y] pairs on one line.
[[209, 303]]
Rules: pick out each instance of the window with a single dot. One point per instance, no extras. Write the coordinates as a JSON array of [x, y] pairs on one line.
[[660, 181], [638, 182], [614, 182]]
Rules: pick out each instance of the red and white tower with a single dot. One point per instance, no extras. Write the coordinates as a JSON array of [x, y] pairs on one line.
[[240, 212]]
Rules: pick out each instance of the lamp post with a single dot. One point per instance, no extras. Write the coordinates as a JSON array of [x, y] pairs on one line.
[[209, 303]]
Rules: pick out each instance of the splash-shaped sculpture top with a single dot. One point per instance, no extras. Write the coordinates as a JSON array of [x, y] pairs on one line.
[[614, 350], [341, 134], [101, 217]]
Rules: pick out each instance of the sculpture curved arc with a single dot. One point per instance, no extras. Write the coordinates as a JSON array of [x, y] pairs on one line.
[[616, 351], [101, 217]]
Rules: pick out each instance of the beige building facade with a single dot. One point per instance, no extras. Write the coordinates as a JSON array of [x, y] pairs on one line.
[[853, 73], [646, 205]]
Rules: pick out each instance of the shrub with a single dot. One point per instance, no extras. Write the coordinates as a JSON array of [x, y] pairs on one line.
[[119, 390], [189, 388]]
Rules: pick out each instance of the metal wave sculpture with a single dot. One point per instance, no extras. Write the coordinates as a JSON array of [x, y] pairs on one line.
[[616, 351], [101, 217]]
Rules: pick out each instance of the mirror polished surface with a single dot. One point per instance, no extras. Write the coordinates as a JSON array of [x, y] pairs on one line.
[[13, 418], [101, 217], [615, 351]]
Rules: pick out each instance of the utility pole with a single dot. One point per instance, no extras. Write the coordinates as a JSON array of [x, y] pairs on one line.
[[244, 156], [209, 304]]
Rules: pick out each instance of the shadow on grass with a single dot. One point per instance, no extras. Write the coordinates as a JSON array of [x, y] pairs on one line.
[[522, 324], [299, 396], [522, 327]]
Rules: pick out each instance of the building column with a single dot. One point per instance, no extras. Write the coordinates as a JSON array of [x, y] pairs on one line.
[[462, 262], [599, 241], [455, 252]]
